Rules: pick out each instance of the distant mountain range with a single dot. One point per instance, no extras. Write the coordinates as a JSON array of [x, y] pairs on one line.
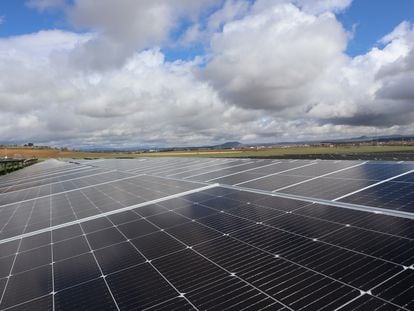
[[226, 145], [360, 139], [236, 144], [383, 138]]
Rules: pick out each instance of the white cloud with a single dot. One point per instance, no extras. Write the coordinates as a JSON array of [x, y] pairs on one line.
[[274, 71], [231, 10], [146, 100], [379, 82], [126, 27], [400, 31], [292, 64], [276, 57], [202, 31]]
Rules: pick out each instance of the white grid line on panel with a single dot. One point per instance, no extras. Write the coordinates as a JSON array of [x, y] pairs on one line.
[[177, 195], [373, 185], [244, 171], [72, 190], [57, 182], [216, 170], [357, 207], [273, 174], [320, 176], [207, 166]]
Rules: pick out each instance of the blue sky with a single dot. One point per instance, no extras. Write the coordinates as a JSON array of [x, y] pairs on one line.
[[20, 19], [124, 72], [373, 20]]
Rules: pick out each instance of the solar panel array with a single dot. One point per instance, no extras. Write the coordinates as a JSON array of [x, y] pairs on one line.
[[207, 234]]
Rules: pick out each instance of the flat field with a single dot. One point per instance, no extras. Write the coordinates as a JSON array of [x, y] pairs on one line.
[[293, 152]]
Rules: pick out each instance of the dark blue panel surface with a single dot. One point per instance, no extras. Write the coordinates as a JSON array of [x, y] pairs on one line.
[[390, 195], [217, 249]]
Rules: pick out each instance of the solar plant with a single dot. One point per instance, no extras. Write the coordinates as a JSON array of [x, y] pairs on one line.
[[207, 234]]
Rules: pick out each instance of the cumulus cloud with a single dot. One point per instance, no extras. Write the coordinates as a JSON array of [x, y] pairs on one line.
[[202, 31], [126, 27], [272, 70], [148, 100], [121, 28], [231, 10], [290, 62], [385, 75], [274, 57], [400, 31]]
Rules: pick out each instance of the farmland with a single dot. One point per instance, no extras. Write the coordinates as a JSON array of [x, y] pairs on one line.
[[389, 152]]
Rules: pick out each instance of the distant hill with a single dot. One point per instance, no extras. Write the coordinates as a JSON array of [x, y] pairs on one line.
[[381, 138], [226, 145], [229, 145], [237, 145]]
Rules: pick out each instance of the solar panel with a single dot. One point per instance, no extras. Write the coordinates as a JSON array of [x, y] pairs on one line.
[[325, 187], [58, 208], [118, 240], [389, 195]]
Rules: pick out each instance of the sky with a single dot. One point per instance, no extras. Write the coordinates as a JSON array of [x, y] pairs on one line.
[[79, 73]]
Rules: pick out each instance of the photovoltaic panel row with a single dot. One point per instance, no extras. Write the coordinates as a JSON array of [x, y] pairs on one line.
[[175, 163], [38, 170], [214, 250], [292, 177], [330, 180], [273, 182], [153, 165], [41, 191], [339, 184], [242, 173], [268, 170], [390, 195], [141, 163], [41, 213], [269, 174], [276, 227], [323, 188], [187, 168], [230, 165], [397, 226], [75, 174], [375, 171]]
